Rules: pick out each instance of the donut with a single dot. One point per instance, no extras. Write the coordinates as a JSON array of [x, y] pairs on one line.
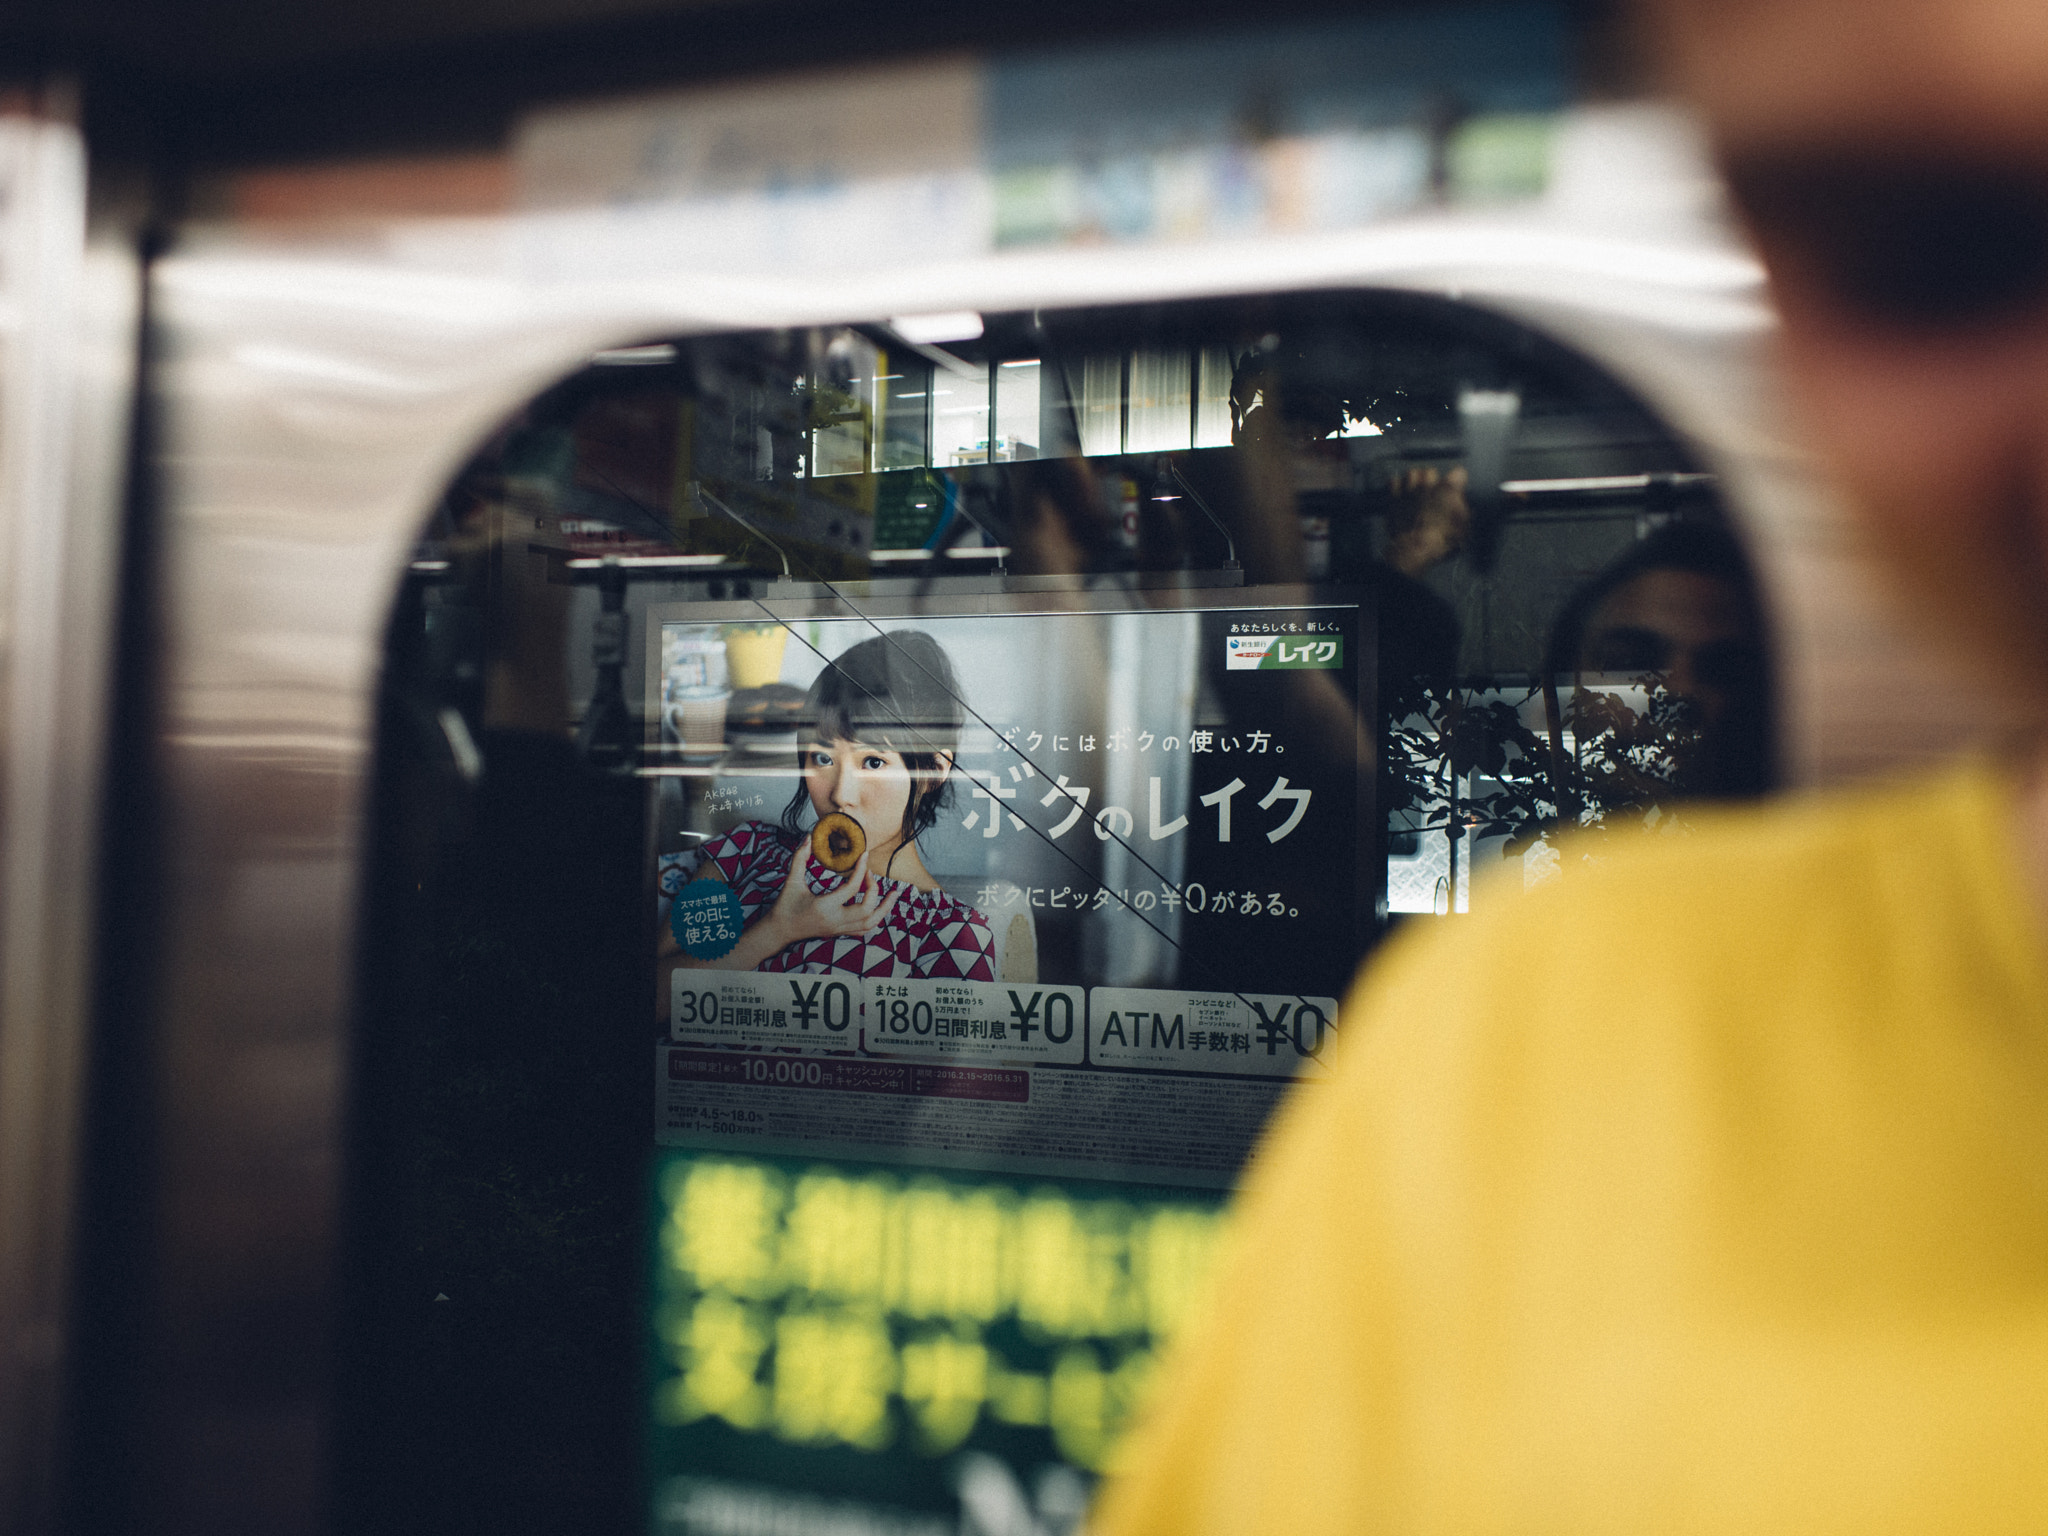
[[837, 842]]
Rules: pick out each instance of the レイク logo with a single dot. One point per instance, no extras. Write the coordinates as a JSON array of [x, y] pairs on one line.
[[1283, 653]]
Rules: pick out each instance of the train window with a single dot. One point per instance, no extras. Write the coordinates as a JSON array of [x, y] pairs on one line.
[[956, 763]]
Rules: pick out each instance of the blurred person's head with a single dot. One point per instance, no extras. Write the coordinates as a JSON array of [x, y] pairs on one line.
[[1891, 160], [1287, 401], [1680, 607], [1279, 391]]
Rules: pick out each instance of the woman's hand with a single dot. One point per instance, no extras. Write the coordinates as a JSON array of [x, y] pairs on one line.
[[853, 907]]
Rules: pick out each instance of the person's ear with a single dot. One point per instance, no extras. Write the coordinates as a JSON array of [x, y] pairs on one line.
[[942, 765]]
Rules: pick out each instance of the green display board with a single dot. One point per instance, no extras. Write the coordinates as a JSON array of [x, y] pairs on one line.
[[843, 1346]]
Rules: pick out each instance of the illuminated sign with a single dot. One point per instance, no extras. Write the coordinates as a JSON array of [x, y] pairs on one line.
[[901, 1319]]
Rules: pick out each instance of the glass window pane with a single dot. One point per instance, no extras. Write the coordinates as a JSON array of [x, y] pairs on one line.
[[1102, 405], [1212, 402], [905, 440], [960, 414], [1017, 398], [842, 404], [1132, 687], [1160, 411]]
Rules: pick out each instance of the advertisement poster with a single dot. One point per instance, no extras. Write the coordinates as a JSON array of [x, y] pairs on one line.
[[945, 1138], [1137, 889]]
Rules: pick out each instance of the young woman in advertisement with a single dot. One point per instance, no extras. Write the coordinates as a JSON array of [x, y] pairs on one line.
[[880, 735]]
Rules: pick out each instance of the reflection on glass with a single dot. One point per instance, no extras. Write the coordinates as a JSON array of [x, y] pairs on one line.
[[960, 415], [1017, 410], [1521, 615], [1101, 415], [1653, 692], [1159, 417], [1671, 631], [843, 406], [1212, 398], [1216, 603], [906, 428]]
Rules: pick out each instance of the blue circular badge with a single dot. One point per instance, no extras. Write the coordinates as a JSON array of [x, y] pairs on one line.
[[705, 918]]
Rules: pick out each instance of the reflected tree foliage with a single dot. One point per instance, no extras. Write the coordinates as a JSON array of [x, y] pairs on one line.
[[1466, 762]]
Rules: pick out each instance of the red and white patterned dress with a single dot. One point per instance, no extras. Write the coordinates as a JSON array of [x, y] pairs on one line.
[[927, 933]]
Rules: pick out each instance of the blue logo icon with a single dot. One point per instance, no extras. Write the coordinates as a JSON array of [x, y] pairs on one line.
[[705, 918]]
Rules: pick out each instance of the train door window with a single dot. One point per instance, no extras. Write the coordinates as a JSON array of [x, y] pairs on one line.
[[948, 773]]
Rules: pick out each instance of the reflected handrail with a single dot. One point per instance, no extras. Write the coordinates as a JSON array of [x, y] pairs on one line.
[[1229, 544], [698, 493]]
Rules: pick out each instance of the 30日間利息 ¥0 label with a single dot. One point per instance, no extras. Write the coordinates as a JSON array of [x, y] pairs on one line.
[[764, 1008]]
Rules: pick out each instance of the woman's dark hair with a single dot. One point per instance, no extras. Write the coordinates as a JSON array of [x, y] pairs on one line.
[[896, 691]]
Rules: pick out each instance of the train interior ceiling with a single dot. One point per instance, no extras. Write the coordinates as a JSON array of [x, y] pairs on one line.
[[482, 488]]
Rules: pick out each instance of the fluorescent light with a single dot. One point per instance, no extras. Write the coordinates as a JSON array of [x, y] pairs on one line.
[[635, 357], [1582, 483], [930, 330], [649, 562], [913, 556]]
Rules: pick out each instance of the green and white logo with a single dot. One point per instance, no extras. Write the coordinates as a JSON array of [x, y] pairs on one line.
[[1283, 653]]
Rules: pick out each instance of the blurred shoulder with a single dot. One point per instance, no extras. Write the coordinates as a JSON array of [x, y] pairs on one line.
[[1745, 859], [1707, 904]]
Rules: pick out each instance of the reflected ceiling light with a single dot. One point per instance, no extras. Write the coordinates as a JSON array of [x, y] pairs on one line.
[[647, 562], [635, 357], [930, 330], [914, 556], [1579, 485]]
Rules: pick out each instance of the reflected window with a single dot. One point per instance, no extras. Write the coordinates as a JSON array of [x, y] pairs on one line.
[[966, 775]]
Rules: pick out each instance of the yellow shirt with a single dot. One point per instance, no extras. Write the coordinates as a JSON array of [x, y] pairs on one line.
[[1704, 1190]]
